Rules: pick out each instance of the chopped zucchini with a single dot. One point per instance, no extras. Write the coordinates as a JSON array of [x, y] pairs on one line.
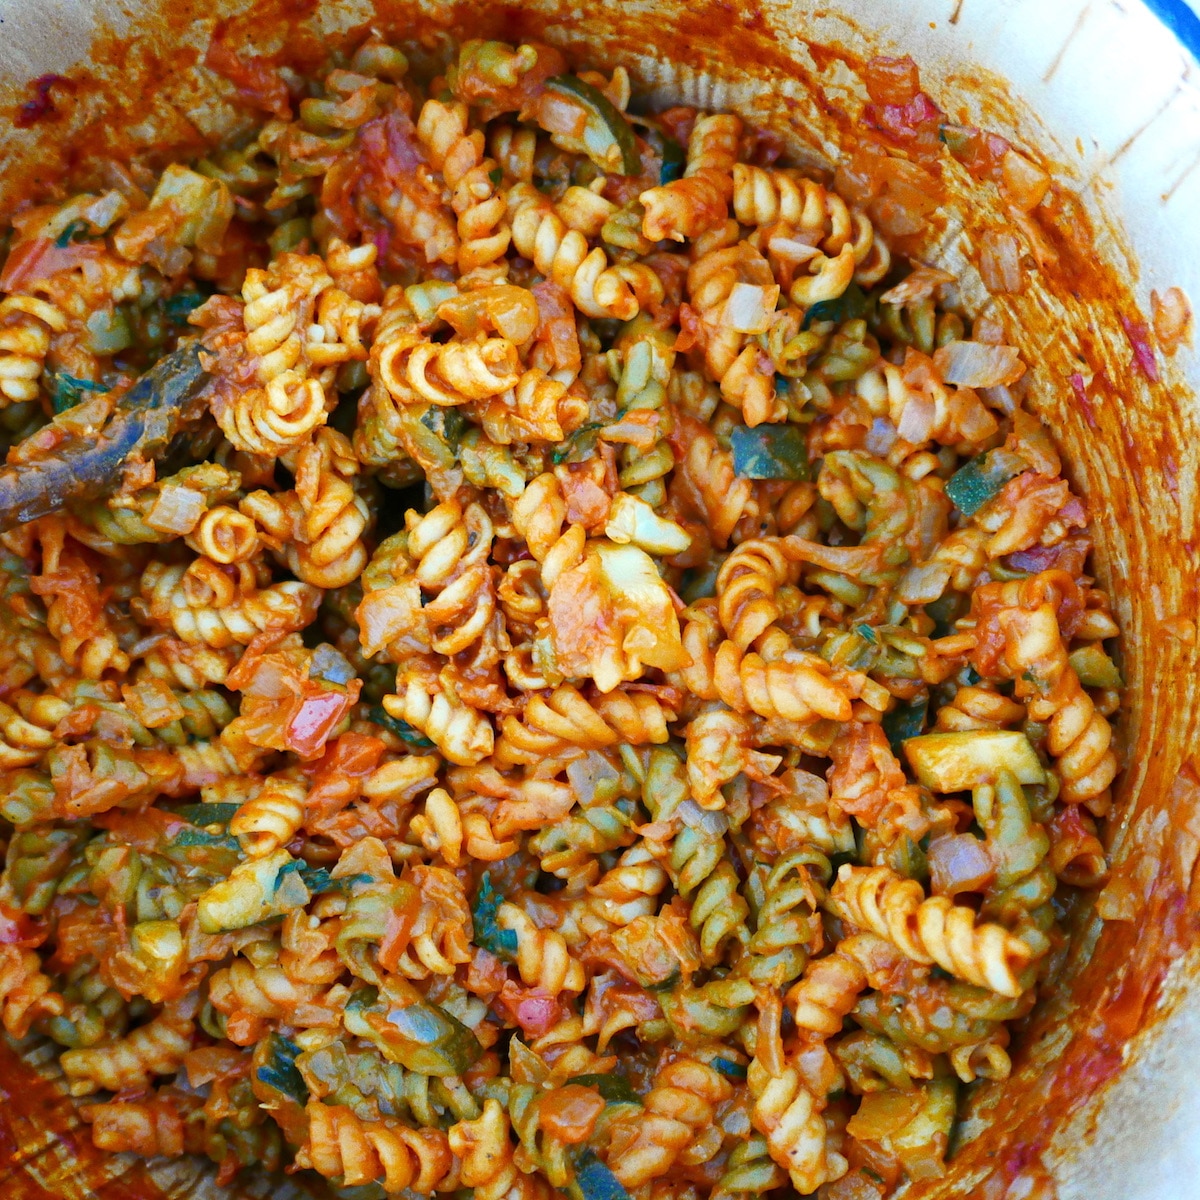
[[978, 481], [905, 721], [607, 138], [769, 452], [594, 1181], [955, 762], [402, 729], [851, 305], [68, 391], [500, 942], [408, 1030], [1094, 667], [279, 1072], [207, 814], [613, 1089], [729, 1068]]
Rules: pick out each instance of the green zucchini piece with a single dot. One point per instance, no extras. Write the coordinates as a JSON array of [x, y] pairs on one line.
[[68, 391], [279, 1071], [976, 482], [207, 814], [769, 452], [729, 1068], [1094, 667], [905, 721], [613, 1089], [955, 762], [420, 1036], [851, 305], [594, 1181], [500, 942], [608, 139]]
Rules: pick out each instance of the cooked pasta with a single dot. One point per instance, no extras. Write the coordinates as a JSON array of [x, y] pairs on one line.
[[605, 703]]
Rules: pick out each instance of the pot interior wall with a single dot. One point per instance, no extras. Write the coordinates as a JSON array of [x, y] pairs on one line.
[[1133, 452]]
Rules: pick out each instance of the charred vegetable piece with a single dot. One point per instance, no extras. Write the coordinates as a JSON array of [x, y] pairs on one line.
[[973, 485], [145, 420], [608, 139], [954, 762], [769, 452]]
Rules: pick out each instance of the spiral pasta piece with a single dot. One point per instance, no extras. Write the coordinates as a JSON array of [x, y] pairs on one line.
[[156, 1048], [688, 207], [1078, 737], [462, 734], [341, 1145], [747, 586], [931, 930], [26, 323], [789, 1117], [271, 819], [562, 254], [979, 708], [542, 955], [566, 720], [282, 606], [459, 155], [26, 993]]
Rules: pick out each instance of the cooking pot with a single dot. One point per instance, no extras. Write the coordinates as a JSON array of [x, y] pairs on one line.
[[1104, 1085]]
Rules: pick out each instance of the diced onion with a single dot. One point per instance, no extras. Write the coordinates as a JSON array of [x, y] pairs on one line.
[[561, 114], [792, 249], [749, 307], [977, 364], [1172, 316], [176, 510], [916, 421], [920, 284], [1000, 263], [959, 863], [1024, 183]]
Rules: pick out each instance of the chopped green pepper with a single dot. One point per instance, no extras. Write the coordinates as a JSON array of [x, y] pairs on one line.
[[607, 139], [976, 482], [500, 942], [905, 721], [769, 452]]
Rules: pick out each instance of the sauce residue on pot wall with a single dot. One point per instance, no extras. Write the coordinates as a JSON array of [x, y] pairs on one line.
[[1117, 406]]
